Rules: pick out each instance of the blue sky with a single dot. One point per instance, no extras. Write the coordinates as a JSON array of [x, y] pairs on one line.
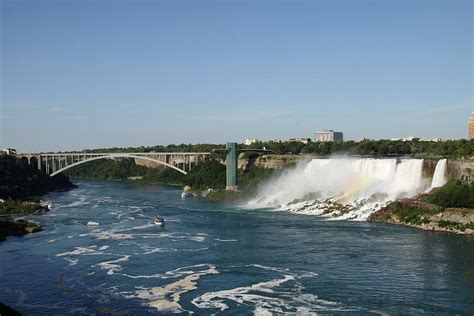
[[102, 73]]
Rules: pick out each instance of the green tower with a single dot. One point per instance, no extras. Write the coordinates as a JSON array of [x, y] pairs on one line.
[[231, 166]]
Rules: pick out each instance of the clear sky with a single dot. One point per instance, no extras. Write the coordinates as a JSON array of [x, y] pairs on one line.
[[102, 73]]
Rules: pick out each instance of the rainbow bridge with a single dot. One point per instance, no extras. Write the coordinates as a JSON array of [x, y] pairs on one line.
[[55, 163]]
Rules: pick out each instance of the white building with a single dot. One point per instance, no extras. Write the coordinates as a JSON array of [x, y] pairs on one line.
[[406, 139], [300, 139], [329, 136], [249, 141], [8, 151]]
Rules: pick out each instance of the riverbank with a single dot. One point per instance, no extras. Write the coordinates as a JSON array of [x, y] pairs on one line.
[[9, 209], [420, 214], [20, 188], [17, 228], [21, 208], [7, 310]]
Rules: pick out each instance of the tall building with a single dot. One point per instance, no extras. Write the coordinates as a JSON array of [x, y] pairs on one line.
[[329, 136], [470, 127]]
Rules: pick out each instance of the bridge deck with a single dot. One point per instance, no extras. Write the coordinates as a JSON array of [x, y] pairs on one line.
[[118, 153]]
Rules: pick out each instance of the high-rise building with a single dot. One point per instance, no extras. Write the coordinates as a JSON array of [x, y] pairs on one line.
[[329, 136], [470, 127]]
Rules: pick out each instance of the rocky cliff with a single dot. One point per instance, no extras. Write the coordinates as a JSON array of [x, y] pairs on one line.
[[148, 163], [271, 161], [462, 169]]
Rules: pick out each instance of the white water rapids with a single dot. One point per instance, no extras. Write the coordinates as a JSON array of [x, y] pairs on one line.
[[439, 177], [343, 188]]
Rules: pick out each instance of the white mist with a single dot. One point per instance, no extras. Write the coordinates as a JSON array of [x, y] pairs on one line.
[[361, 185]]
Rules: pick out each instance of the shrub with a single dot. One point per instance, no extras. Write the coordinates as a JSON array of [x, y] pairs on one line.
[[453, 194]]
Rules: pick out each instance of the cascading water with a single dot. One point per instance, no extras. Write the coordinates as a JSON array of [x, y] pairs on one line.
[[439, 177], [343, 188]]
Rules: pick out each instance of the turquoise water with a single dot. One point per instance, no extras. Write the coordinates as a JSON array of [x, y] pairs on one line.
[[215, 258]]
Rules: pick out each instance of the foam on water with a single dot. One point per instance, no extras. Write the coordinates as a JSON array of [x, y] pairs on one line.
[[92, 250], [81, 202], [167, 298], [342, 187], [268, 298], [112, 266], [70, 256]]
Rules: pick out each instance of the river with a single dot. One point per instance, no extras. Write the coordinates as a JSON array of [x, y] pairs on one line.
[[213, 258]]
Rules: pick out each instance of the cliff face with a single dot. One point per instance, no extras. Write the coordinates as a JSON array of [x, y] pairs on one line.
[[461, 170], [278, 161], [429, 166], [147, 163], [272, 161]]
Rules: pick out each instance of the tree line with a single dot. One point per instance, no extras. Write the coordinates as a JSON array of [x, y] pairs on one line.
[[375, 148], [18, 180]]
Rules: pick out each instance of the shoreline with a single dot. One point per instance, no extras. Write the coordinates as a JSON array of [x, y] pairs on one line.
[[132, 180], [19, 227], [429, 217], [10, 210], [425, 216]]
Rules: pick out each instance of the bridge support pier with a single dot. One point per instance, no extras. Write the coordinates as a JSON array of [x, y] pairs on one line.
[[232, 154]]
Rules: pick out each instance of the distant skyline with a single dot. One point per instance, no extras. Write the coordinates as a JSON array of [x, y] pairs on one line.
[[98, 73]]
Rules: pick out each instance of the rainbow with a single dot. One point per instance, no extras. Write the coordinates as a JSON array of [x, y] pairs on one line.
[[355, 188]]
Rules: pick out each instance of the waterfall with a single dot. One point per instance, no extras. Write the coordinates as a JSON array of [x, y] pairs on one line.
[[439, 177], [342, 187]]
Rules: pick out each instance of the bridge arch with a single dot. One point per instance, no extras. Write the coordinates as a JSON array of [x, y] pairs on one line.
[[34, 162], [117, 156]]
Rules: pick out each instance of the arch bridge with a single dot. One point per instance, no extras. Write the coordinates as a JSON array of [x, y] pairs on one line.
[[55, 163]]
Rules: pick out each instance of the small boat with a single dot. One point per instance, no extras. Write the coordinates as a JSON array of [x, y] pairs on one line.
[[47, 204], [159, 221], [92, 224], [186, 192]]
